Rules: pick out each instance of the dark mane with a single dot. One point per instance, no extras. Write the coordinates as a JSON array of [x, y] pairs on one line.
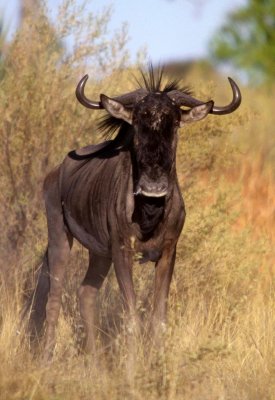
[[109, 125], [152, 81]]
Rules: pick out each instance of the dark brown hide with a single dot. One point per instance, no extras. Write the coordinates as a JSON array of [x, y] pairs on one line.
[[93, 201], [103, 212]]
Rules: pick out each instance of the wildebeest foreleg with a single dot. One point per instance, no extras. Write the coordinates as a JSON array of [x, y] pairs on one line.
[[163, 276], [97, 271], [123, 263]]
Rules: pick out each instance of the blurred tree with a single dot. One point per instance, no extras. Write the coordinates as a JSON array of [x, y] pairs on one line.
[[29, 11], [33, 18], [29, 8], [247, 40]]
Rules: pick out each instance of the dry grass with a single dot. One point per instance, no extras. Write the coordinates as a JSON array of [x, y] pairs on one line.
[[219, 342]]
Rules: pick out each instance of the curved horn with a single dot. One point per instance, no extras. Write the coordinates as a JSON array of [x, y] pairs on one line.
[[183, 99], [128, 99], [236, 101], [79, 92]]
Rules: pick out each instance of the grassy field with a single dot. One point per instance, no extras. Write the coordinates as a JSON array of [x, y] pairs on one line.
[[219, 343]]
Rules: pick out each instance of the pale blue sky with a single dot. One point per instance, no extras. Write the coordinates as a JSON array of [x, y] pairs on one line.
[[170, 29]]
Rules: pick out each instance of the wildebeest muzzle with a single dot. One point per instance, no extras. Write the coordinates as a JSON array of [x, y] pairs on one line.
[[151, 188]]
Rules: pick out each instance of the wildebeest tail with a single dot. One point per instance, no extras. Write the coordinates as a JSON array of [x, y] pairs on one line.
[[34, 312]]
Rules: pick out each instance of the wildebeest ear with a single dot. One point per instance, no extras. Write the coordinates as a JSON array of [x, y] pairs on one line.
[[116, 109], [196, 113]]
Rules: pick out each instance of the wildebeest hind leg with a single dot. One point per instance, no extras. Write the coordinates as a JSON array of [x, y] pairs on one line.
[[97, 271], [59, 245]]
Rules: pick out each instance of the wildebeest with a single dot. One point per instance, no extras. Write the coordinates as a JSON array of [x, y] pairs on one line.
[[119, 198]]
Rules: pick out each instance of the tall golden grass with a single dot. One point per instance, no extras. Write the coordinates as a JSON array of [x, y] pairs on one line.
[[219, 342]]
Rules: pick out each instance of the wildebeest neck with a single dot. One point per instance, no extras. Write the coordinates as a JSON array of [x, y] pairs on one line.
[[148, 212]]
